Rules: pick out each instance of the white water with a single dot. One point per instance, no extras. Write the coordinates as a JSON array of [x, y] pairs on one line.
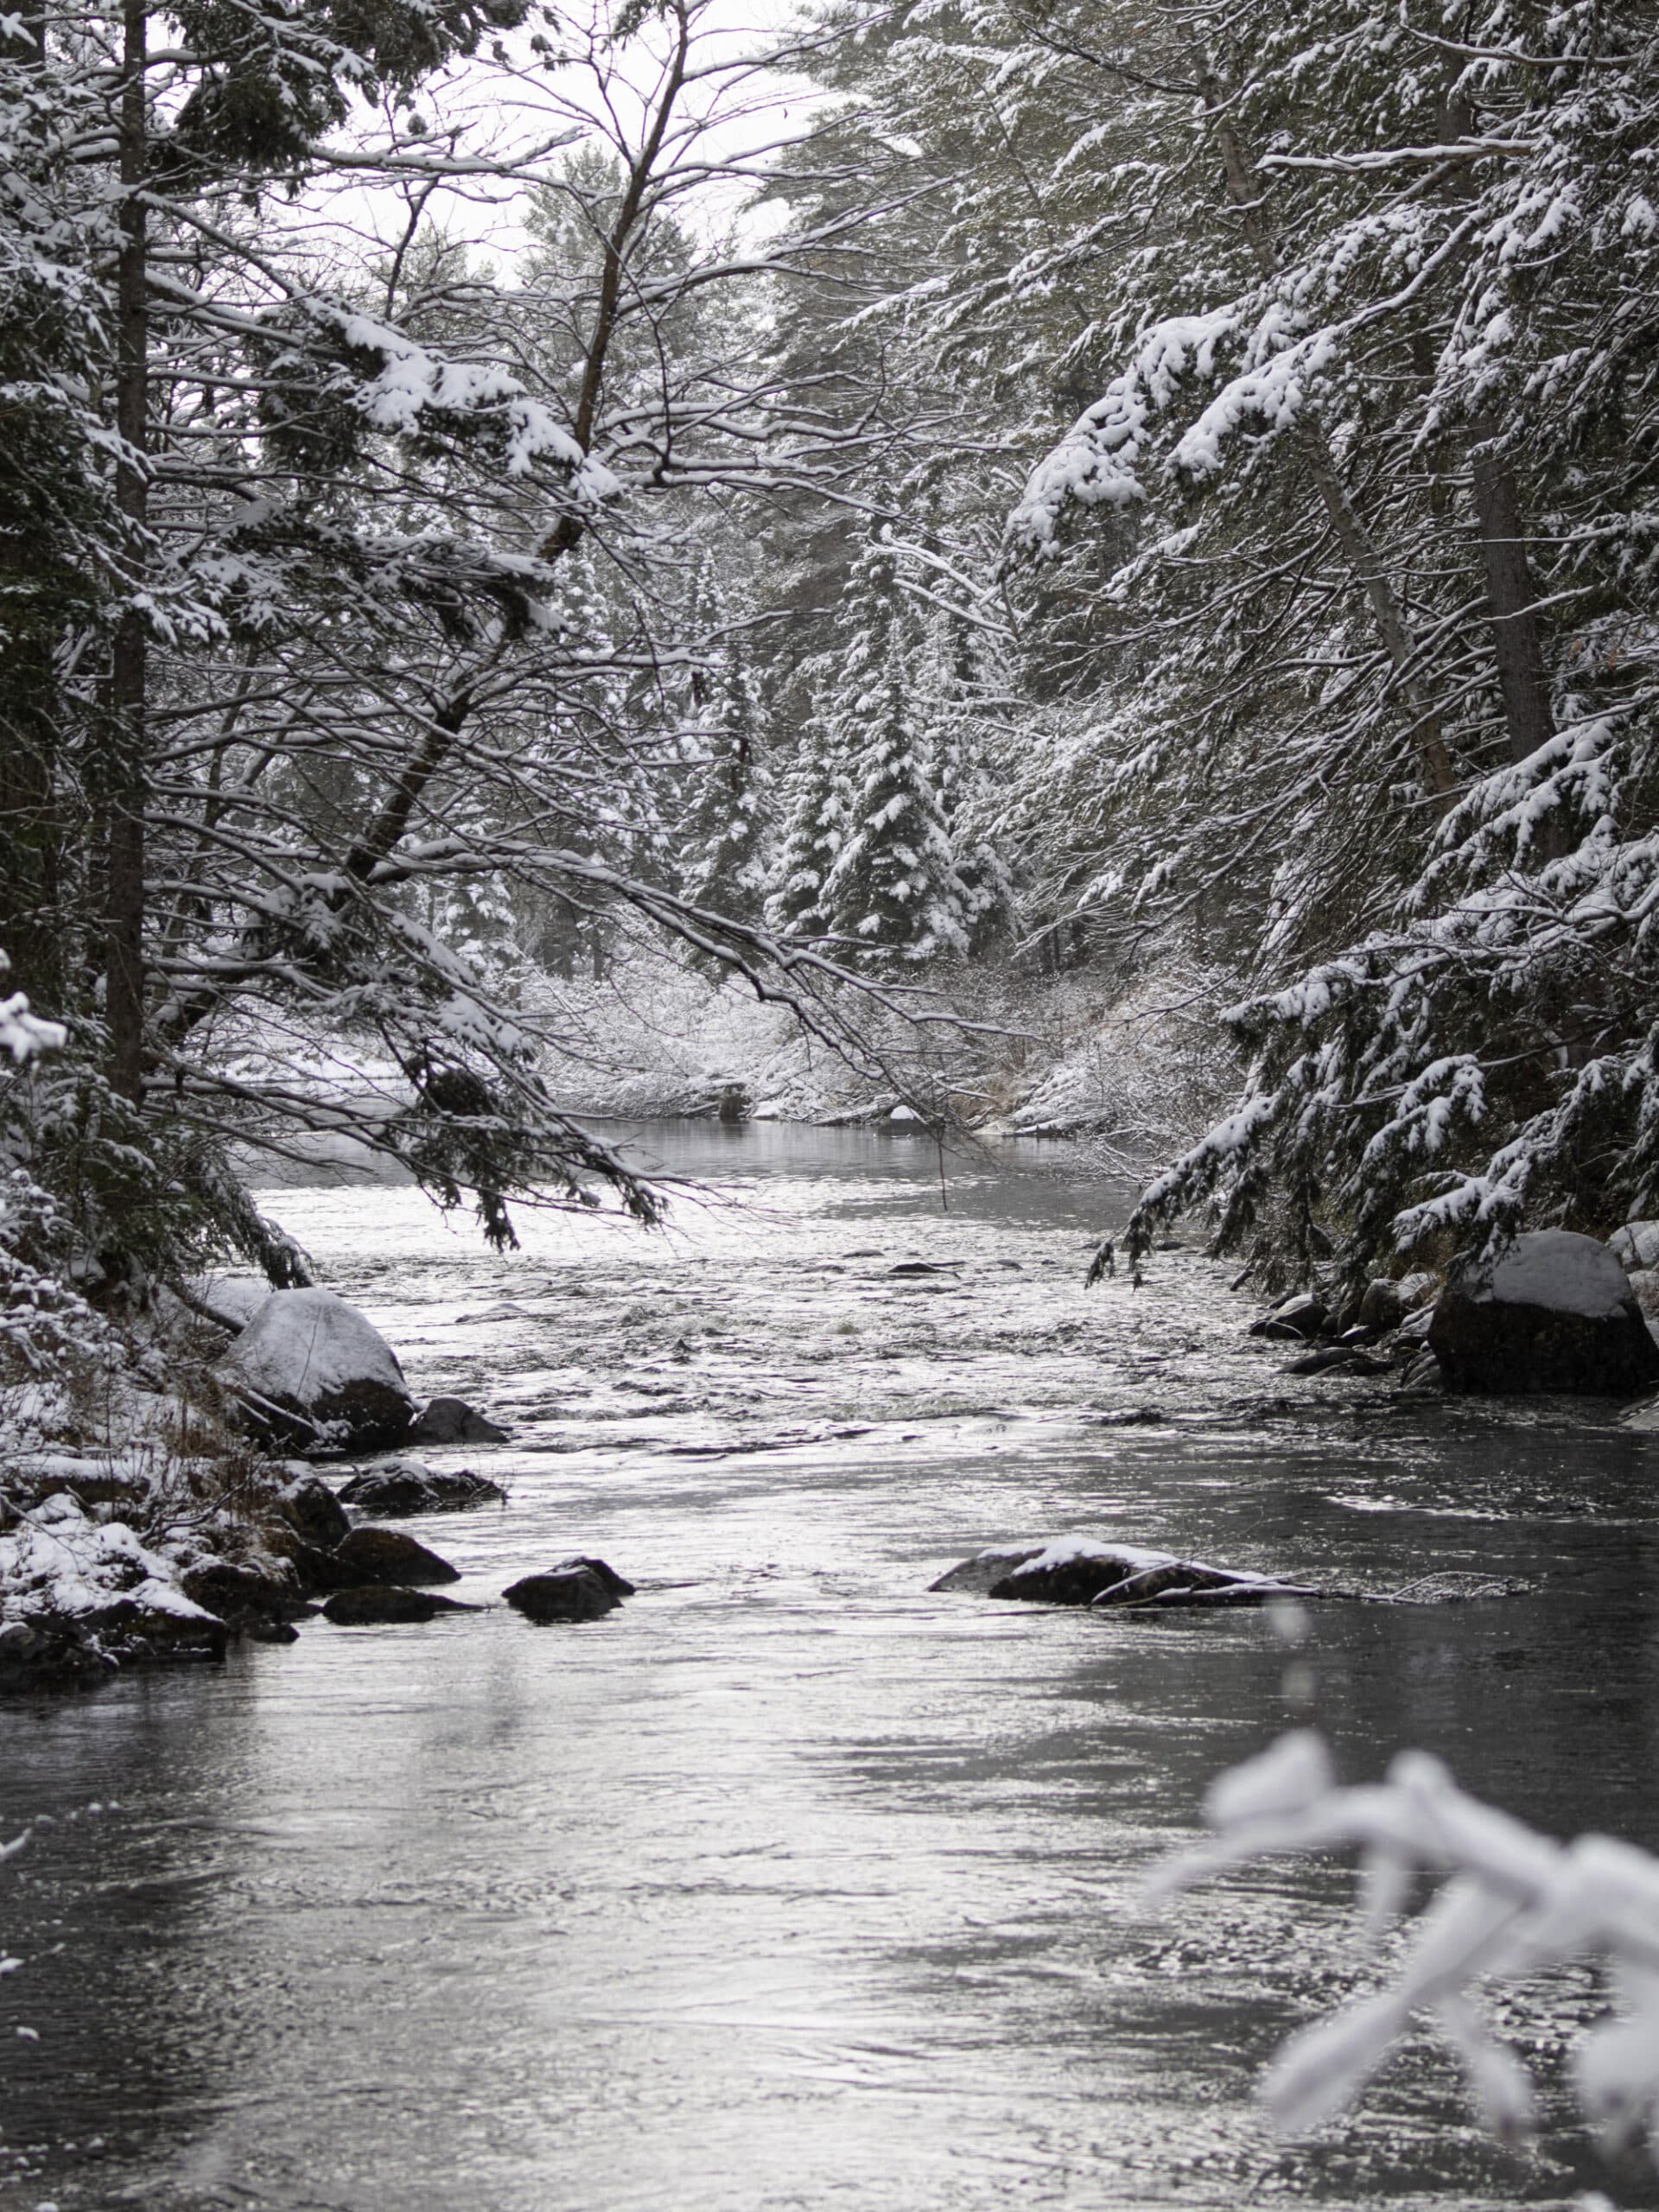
[[791, 1884]]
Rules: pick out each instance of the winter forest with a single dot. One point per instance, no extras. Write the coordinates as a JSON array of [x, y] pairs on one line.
[[937, 577]]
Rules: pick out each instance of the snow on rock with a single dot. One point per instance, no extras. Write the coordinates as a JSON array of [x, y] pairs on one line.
[[1635, 1247], [1083, 1571], [233, 1300], [1556, 1312], [310, 1371], [81, 1592]]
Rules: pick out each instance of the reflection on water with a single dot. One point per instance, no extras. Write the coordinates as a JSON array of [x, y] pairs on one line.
[[791, 1884]]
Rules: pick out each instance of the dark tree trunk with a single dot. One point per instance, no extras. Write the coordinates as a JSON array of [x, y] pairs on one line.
[[124, 868], [1511, 596]]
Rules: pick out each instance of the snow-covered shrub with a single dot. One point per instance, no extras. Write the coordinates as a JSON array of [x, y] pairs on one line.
[[1509, 1903]]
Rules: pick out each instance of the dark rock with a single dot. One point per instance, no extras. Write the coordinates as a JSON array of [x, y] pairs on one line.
[[271, 1632], [241, 1596], [452, 1420], [381, 1555], [316, 1571], [405, 1488], [1556, 1312], [574, 1591], [379, 1604], [310, 1373], [1337, 1359], [926, 1267], [1067, 1574], [1303, 1315], [618, 1585], [313, 1513], [1387, 1303]]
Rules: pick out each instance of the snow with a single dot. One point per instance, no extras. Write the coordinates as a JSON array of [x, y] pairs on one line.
[[1635, 1247], [58, 1562], [1067, 1551], [304, 1345], [1560, 1271]]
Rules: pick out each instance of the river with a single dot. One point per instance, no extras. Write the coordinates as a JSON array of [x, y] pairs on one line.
[[791, 1884]]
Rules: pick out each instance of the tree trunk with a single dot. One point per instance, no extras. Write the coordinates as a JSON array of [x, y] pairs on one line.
[[125, 872], [1511, 596]]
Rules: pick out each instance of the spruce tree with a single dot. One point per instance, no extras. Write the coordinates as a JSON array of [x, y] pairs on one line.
[[894, 892]]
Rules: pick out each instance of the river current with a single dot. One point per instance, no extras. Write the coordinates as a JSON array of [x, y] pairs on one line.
[[791, 1884]]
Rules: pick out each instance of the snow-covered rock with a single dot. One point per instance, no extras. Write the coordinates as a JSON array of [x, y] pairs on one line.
[[1083, 1571], [79, 1593], [310, 1371], [1556, 1312], [232, 1299], [402, 1487], [1635, 1247]]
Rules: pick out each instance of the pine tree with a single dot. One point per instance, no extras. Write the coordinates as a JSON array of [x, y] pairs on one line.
[[894, 892]]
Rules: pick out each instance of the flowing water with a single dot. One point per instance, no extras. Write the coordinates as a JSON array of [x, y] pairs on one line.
[[791, 1884]]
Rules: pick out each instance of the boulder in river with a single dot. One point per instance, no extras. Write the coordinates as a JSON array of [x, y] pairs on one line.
[[387, 1555], [575, 1590], [402, 1487], [1302, 1315], [310, 1372], [1556, 1312], [1082, 1571], [452, 1420], [380, 1605]]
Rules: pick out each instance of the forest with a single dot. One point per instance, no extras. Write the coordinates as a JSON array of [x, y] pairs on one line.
[[1042, 570], [964, 493]]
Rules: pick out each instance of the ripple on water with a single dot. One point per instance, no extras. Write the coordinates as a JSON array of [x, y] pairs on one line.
[[794, 1883]]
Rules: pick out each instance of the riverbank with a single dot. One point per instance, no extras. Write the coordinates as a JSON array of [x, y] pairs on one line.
[[1065, 1055]]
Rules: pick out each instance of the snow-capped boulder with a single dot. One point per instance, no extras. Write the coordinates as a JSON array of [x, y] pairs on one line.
[[1645, 1281], [1556, 1312], [1635, 1247], [1082, 1571], [309, 1370], [402, 1487]]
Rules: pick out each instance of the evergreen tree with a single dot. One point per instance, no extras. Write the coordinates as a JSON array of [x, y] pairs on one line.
[[814, 833], [723, 834], [894, 890], [966, 703]]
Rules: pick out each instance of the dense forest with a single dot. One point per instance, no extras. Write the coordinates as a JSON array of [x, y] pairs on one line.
[[886, 516]]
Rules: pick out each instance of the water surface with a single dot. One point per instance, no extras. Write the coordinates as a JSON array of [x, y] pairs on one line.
[[791, 1884]]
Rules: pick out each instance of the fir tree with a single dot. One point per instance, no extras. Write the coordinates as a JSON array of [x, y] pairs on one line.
[[894, 890], [813, 837], [727, 821]]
